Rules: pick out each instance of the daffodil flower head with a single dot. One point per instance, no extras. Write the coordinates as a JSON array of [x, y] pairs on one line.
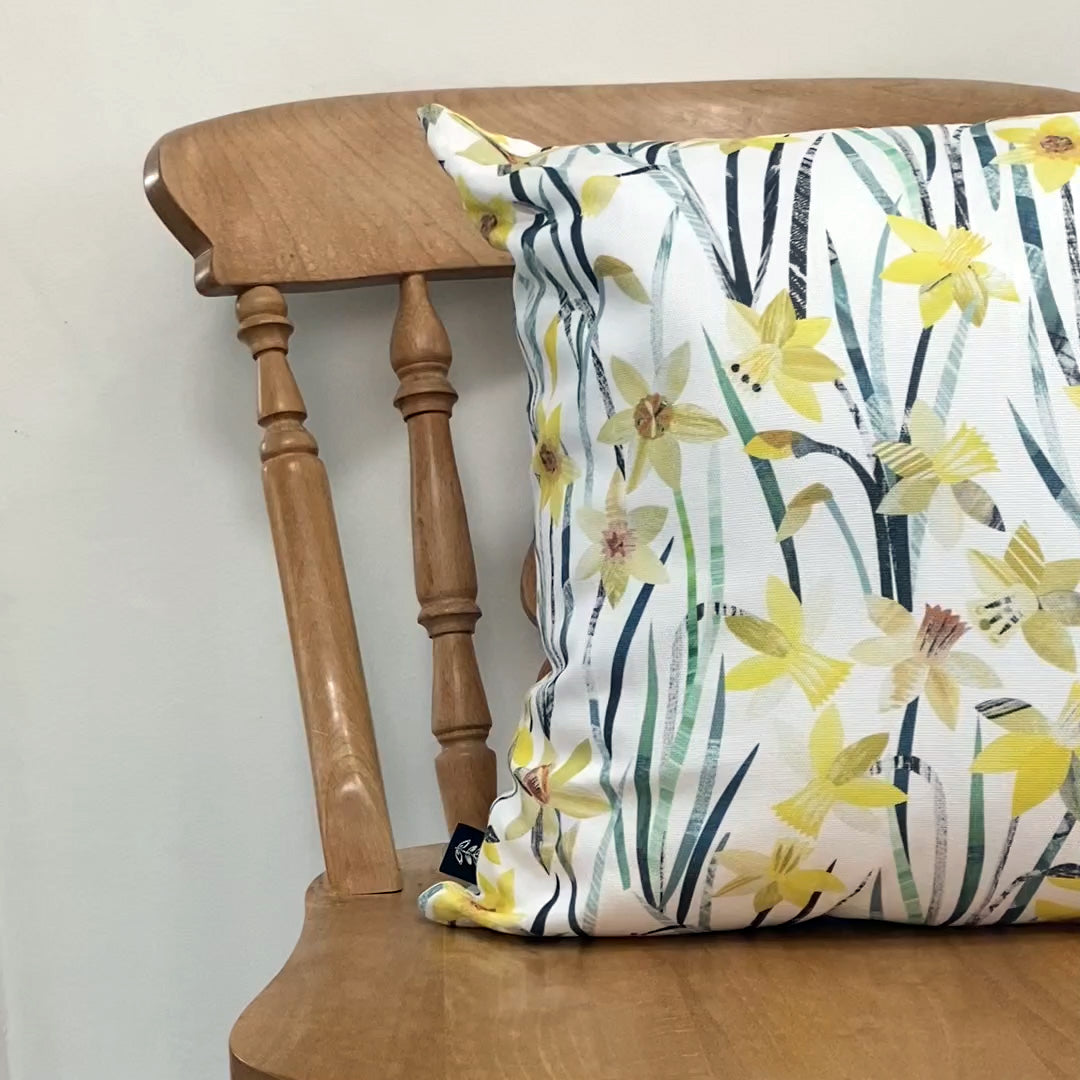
[[550, 464], [545, 786], [492, 904], [777, 348], [1052, 150], [937, 476], [494, 218], [620, 541], [491, 148], [656, 421], [947, 270], [784, 655], [921, 657], [775, 878], [1042, 755], [1024, 593], [839, 776]]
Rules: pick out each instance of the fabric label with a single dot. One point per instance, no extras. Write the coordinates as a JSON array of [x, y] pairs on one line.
[[459, 860]]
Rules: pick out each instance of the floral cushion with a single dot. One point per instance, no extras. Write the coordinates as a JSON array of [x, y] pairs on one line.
[[804, 410]]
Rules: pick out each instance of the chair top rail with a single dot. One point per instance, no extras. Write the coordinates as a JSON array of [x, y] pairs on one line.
[[338, 192]]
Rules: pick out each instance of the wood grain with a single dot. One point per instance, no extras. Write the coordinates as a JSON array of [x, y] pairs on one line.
[[443, 563], [528, 584], [343, 191], [527, 592], [357, 843], [323, 194], [372, 992]]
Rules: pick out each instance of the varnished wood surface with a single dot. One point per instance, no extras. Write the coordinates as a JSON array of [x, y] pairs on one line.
[[443, 565], [358, 847], [342, 191], [528, 584], [373, 992], [317, 194]]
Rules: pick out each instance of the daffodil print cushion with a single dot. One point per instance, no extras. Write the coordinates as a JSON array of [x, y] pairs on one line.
[[804, 411]]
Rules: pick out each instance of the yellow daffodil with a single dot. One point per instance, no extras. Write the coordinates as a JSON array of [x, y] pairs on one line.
[[800, 507], [1040, 753], [1025, 592], [921, 658], [784, 653], [946, 269], [620, 540], [936, 475], [777, 877], [494, 219], [657, 421], [490, 148], [492, 906], [546, 787], [1052, 150], [839, 776], [1053, 910], [776, 347], [550, 464]]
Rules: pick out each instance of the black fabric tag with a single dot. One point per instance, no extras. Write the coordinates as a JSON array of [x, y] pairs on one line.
[[461, 853]]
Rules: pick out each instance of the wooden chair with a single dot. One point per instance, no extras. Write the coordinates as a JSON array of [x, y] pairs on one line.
[[342, 192]]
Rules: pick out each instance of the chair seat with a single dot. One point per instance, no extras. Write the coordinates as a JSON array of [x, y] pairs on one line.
[[374, 991]]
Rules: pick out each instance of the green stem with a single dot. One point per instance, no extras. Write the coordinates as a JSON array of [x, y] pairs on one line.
[[648, 868], [713, 621], [872, 487], [849, 539], [763, 470], [673, 758], [908, 890], [1038, 871], [976, 842], [691, 591]]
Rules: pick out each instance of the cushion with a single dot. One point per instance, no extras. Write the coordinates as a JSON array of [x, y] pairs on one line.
[[804, 410]]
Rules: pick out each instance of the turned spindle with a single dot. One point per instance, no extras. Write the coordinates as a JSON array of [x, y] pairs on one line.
[[357, 843], [443, 558]]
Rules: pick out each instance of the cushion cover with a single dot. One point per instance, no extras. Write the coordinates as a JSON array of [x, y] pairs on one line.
[[804, 410]]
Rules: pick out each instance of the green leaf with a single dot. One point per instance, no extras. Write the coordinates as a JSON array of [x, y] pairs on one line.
[[706, 781], [672, 761], [642, 770], [660, 268], [1070, 790], [1055, 485], [763, 470], [903, 169], [1043, 864], [862, 171], [877, 910], [976, 842], [908, 889]]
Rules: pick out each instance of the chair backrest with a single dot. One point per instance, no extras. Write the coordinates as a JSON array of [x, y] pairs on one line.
[[342, 192]]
